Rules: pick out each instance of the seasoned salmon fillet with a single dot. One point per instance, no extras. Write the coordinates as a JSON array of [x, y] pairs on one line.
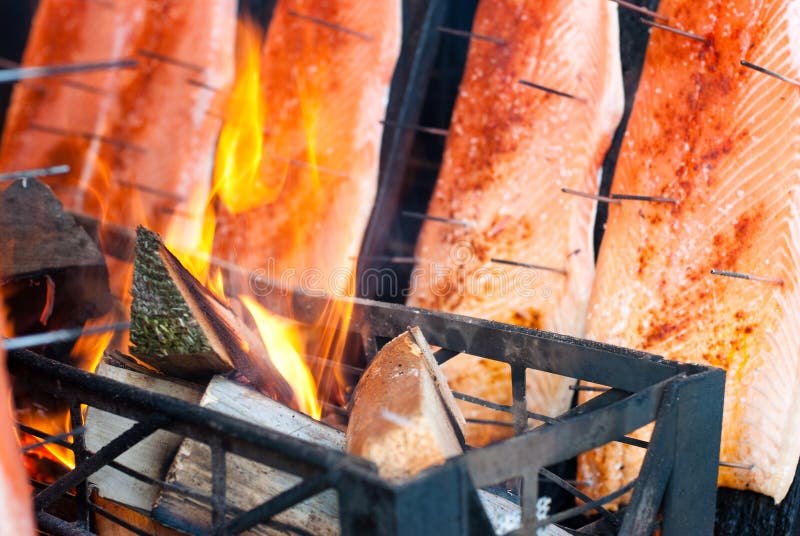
[[511, 150], [140, 141], [723, 141], [15, 492], [324, 89]]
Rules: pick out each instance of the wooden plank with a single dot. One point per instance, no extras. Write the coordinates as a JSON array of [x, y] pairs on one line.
[[165, 332], [151, 456], [746, 513], [249, 483], [39, 236]]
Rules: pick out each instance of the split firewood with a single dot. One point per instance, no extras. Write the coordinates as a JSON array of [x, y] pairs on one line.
[[181, 329], [404, 417], [165, 332], [53, 275], [249, 483], [151, 456]]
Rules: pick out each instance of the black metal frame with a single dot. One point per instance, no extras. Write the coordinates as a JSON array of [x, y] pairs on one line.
[[678, 477], [677, 480]]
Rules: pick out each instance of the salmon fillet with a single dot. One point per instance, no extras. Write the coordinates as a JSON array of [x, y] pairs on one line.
[[723, 140], [15, 494], [154, 131], [510, 151], [324, 92]]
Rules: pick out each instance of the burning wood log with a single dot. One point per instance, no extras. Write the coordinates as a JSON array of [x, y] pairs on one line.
[[404, 417], [165, 333], [249, 483], [152, 456], [53, 274], [181, 329]]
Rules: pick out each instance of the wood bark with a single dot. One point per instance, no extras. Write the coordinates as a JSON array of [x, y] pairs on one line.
[[180, 328]]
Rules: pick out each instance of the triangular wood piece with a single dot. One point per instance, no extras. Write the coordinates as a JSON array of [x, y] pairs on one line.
[[179, 327], [404, 417]]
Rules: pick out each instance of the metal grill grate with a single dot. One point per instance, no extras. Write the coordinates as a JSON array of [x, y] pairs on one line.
[[678, 475]]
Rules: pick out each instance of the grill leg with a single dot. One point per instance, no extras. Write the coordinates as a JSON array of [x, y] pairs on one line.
[[690, 499]]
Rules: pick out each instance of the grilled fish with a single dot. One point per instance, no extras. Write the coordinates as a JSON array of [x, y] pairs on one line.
[[511, 150], [17, 516], [140, 141], [722, 140], [325, 90]]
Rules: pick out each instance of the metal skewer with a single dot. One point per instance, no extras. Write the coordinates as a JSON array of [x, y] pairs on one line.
[[169, 59], [589, 388], [200, 83], [53, 439], [151, 190], [451, 221], [650, 198], [749, 277], [640, 9], [617, 198], [746, 467], [301, 163], [760, 69], [531, 266], [550, 90], [33, 173], [388, 258], [8, 64], [678, 31], [602, 198], [471, 35], [16, 74], [330, 25], [61, 335], [429, 130], [87, 136]]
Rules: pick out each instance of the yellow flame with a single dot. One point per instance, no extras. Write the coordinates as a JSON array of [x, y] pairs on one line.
[[89, 349], [216, 284], [51, 424], [190, 235], [284, 344], [237, 172]]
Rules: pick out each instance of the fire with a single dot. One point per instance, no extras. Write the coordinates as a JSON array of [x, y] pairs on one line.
[[89, 349], [52, 424], [241, 183], [250, 170], [240, 151], [285, 344]]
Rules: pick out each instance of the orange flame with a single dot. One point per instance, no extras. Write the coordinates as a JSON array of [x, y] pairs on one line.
[[247, 174], [52, 424], [240, 185], [237, 171], [284, 344]]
